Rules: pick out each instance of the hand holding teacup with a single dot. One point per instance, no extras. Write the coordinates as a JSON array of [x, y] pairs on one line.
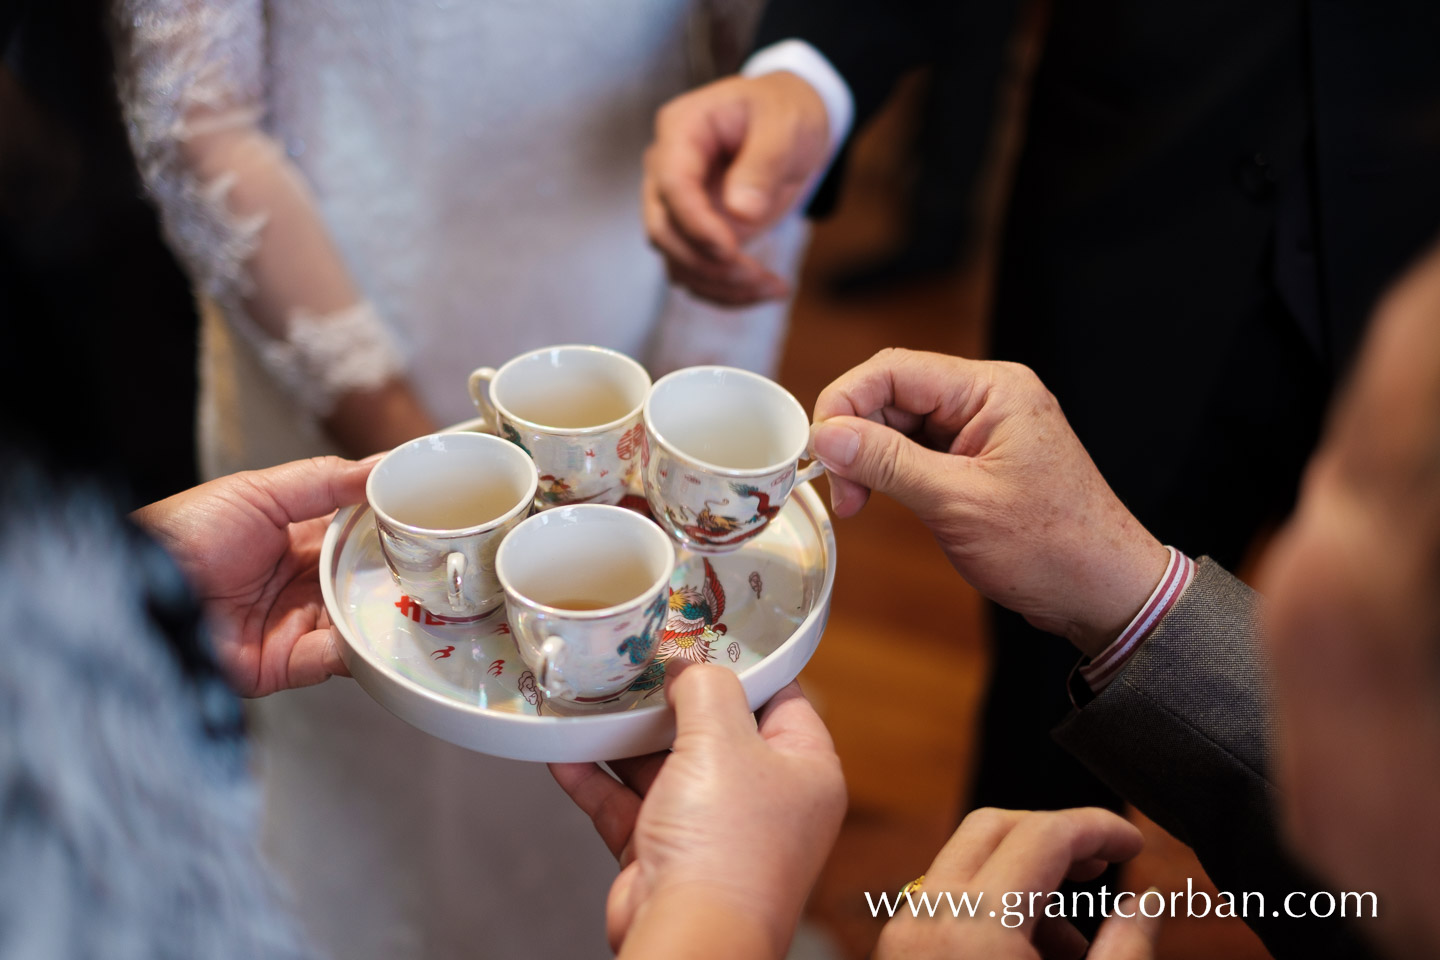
[[982, 453]]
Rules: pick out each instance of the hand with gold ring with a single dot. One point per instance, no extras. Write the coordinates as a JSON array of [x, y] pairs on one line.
[[999, 852]]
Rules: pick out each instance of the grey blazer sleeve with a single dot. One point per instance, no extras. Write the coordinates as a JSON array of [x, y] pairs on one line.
[[1184, 734]]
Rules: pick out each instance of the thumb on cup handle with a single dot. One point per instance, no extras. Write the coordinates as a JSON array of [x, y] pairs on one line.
[[862, 456]]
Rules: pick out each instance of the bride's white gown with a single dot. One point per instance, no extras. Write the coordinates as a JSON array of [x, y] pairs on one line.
[[477, 164]]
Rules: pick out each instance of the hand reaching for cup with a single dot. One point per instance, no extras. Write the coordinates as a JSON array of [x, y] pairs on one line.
[[982, 454], [720, 840], [1000, 854], [249, 545]]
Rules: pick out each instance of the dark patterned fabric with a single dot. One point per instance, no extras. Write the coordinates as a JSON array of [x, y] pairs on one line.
[[127, 816]]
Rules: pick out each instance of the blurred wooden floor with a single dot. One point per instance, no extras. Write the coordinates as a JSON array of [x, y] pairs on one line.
[[900, 673]]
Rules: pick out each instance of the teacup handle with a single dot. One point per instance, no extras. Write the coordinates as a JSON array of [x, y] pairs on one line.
[[455, 580], [813, 471], [552, 678], [480, 394]]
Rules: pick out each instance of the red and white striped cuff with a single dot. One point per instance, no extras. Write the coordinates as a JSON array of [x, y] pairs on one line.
[[1104, 668]]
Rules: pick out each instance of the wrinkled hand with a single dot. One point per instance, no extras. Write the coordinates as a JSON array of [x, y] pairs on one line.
[[729, 160], [982, 454], [1000, 852], [720, 840], [249, 544]]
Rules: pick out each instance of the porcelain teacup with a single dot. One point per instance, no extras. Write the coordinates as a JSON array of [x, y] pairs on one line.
[[442, 505], [576, 411], [585, 592], [722, 455]]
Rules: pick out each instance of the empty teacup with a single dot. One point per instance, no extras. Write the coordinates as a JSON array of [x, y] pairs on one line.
[[585, 591], [722, 455], [442, 505], [576, 411]]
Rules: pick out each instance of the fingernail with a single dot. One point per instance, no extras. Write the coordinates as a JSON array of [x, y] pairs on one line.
[[1151, 924], [834, 445], [746, 201], [375, 456]]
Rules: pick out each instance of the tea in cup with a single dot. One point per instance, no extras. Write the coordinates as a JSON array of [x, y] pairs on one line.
[[722, 455], [442, 504], [576, 411], [586, 590]]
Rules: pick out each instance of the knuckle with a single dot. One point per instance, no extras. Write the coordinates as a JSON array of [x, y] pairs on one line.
[[1025, 378], [609, 814], [666, 182], [670, 115], [1021, 382], [894, 359], [988, 819], [1051, 828], [886, 467]]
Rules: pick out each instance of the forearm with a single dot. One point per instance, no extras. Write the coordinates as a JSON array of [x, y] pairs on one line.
[[295, 266], [369, 421], [297, 279], [240, 217]]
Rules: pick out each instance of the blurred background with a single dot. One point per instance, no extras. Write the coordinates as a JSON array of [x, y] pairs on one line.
[[100, 342]]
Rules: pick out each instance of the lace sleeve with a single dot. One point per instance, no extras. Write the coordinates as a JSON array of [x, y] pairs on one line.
[[190, 75], [175, 58]]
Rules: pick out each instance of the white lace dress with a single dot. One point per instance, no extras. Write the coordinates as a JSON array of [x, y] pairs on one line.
[[370, 187]]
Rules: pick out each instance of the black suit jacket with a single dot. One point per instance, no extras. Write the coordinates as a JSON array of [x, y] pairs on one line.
[[1210, 198]]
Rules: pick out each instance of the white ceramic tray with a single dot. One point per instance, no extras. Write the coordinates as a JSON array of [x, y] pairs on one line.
[[466, 683]]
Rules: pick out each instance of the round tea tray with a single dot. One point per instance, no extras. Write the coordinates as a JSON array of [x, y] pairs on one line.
[[466, 683]]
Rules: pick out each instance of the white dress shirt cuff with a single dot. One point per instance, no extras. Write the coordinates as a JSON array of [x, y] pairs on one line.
[[810, 65]]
